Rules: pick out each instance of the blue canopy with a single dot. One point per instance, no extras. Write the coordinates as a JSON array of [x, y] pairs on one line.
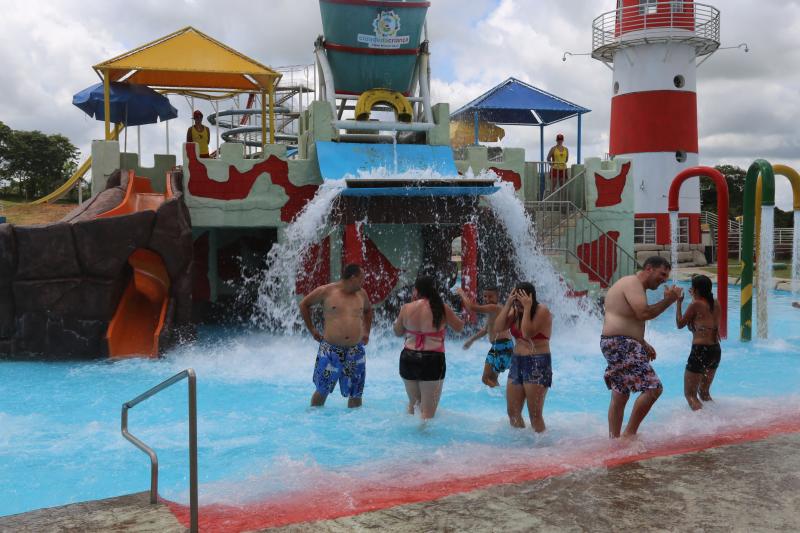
[[131, 104], [515, 102]]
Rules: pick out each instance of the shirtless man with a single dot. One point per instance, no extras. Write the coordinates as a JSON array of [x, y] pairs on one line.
[[624, 347], [499, 357], [347, 313]]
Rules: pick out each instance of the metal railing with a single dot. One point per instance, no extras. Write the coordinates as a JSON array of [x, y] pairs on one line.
[[734, 233], [193, 501], [691, 22], [563, 228], [573, 190]]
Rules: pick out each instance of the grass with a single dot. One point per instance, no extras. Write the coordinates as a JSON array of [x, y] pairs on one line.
[[783, 270], [24, 214]]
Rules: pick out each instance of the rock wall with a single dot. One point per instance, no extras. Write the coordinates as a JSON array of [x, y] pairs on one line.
[[60, 283]]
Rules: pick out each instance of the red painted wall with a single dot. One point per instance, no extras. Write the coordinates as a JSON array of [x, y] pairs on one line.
[[653, 121], [632, 19]]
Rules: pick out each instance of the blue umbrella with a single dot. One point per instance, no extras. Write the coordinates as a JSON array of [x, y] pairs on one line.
[[131, 104]]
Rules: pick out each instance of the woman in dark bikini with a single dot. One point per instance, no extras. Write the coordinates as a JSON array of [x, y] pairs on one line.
[[531, 372], [422, 362], [702, 317]]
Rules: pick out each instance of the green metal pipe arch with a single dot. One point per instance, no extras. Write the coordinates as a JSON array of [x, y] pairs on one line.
[[762, 167]]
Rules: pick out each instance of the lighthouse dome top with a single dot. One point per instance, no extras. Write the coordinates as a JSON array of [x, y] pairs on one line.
[[636, 22]]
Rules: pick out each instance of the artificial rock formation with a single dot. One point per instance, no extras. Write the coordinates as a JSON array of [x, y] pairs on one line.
[[60, 283]]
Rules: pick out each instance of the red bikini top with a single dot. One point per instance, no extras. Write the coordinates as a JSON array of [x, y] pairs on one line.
[[518, 334], [420, 336]]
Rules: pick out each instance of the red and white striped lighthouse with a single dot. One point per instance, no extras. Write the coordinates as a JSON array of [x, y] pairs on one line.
[[653, 46]]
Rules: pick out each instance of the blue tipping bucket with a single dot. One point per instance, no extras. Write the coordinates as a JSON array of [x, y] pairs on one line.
[[372, 44]]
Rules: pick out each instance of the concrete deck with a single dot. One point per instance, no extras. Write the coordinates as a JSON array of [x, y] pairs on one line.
[[750, 487]]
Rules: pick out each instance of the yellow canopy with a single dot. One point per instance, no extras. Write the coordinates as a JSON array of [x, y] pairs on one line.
[[190, 59]]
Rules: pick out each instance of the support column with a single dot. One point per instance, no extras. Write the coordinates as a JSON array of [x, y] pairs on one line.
[[469, 263], [213, 270]]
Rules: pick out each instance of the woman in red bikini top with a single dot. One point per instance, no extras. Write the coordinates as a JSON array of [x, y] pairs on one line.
[[531, 373], [532, 336], [422, 363]]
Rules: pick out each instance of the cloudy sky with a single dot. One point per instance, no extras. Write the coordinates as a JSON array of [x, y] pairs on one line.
[[748, 103]]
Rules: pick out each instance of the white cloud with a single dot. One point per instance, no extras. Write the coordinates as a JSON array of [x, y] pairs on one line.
[[748, 104]]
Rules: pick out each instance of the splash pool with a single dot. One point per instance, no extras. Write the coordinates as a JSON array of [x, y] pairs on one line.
[[260, 443]]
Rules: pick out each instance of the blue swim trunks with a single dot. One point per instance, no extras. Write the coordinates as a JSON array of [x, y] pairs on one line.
[[531, 369], [499, 356], [346, 365]]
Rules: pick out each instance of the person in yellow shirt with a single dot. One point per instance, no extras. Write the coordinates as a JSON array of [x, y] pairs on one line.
[[197, 133], [558, 157]]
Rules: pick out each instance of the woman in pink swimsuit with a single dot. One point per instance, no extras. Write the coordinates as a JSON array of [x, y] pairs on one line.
[[422, 362]]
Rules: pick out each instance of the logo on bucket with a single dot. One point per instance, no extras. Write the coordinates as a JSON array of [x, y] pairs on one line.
[[386, 26]]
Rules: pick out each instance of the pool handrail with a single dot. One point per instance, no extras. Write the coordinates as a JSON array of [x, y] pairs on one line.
[[193, 499]]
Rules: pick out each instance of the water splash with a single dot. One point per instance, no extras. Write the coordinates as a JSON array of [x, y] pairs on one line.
[[531, 263], [765, 257], [796, 254], [276, 304], [674, 236]]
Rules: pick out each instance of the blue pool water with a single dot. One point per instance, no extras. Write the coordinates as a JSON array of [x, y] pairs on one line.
[[59, 422]]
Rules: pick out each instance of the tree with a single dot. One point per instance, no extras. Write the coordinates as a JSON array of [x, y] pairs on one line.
[[735, 176], [35, 162]]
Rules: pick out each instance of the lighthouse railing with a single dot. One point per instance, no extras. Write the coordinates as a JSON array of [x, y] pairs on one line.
[[692, 22]]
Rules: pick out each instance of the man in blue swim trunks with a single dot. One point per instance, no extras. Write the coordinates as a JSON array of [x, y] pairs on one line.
[[622, 342], [498, 360], [347, 314]]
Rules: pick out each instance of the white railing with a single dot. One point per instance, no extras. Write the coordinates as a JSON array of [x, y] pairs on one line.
[[654, 22], [782, 237]]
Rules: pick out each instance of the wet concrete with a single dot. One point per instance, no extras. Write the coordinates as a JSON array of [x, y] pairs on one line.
[[125, 513], [749, 487], [744, 487]]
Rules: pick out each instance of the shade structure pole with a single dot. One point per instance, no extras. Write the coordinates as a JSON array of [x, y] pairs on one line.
[[263, 122], [216, 126], [166, 124], [477, 126], [139, 144], [107, 104], [579, 138], [272, 115], [541, 161]]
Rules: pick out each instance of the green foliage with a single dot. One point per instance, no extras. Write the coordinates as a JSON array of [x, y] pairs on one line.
[[735, 176], [33, 162]]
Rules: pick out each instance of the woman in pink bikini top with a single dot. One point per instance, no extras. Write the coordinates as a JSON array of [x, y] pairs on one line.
[[422, 362]]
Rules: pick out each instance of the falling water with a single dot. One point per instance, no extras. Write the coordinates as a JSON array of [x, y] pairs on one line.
[[276, 305], [532, 265], [674, 236], [765, 252], [796, 254], [394, 148]]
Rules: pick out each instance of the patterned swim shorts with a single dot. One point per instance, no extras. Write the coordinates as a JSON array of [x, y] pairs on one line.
[[343, 364], [499, 356], [629, 368]]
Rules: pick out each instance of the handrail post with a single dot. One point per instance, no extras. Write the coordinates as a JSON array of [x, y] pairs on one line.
[[193, 482], [193, 477]]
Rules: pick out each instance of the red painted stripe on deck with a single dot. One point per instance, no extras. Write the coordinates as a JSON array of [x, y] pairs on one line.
[[325, 503]]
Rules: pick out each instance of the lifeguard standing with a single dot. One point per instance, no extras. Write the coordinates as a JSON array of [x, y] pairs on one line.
[[197, 133], [558, 157]]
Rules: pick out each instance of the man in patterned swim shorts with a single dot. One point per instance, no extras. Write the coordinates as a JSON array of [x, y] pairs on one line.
[[347, 313], [623, 345]]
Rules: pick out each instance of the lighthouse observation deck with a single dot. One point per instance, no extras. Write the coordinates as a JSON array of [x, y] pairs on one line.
[[656, 22]]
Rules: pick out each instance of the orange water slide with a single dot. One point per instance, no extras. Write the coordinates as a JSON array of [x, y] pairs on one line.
[[140, 314]]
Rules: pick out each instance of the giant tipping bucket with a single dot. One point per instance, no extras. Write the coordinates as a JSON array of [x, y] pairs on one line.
[[372, 44]]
